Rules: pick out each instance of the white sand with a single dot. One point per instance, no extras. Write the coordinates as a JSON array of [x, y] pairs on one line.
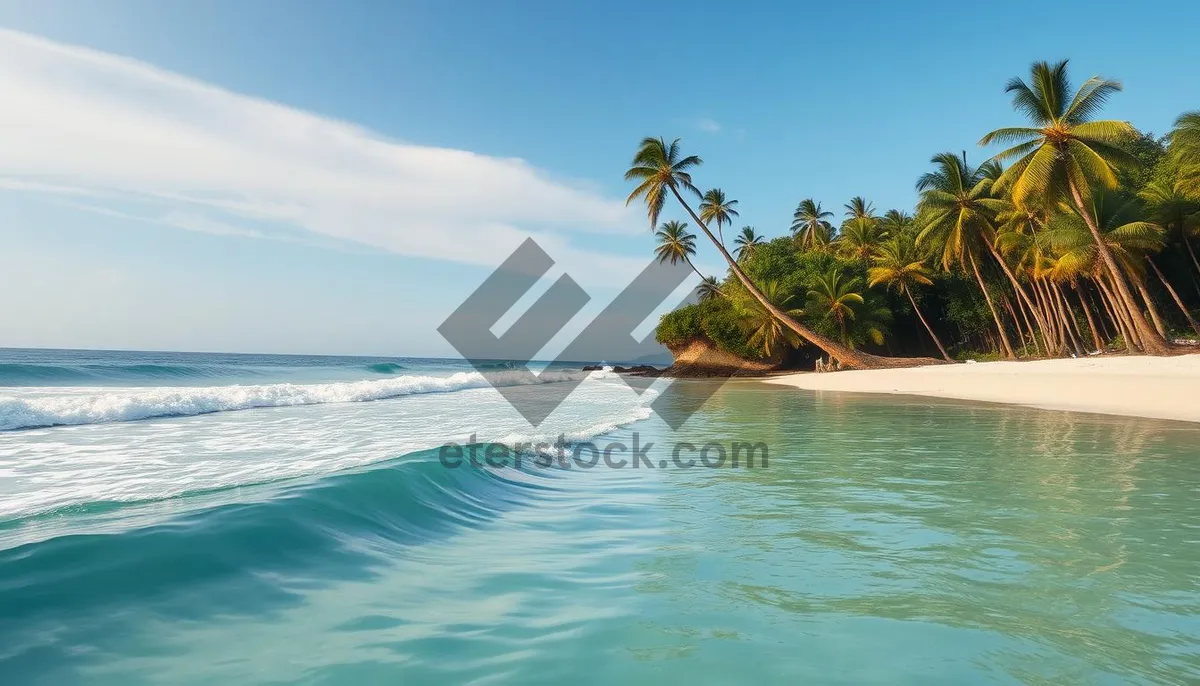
[[1157, 387]]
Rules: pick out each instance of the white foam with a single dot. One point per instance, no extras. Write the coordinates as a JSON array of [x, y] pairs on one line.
[[92, 406], [46, 469]]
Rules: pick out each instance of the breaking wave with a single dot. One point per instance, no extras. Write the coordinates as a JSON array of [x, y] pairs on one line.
[[27, 412]]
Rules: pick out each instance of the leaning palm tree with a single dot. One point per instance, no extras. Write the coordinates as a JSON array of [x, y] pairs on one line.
[[708, 289], [899, 264], [660, 170], [1065, 155], [676, 244], [957, 209], [811, 226], [746, 242], [715, 209]]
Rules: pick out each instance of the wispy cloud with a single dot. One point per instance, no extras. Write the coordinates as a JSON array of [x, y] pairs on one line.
[[77, 122], [708, 125]]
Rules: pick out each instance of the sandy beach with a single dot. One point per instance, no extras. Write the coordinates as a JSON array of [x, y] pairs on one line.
[[1155, 387]]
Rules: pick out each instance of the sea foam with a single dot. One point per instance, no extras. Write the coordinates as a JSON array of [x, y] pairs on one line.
[[97, 407]]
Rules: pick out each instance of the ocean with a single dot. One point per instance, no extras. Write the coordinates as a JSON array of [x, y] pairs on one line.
[[189, 518]]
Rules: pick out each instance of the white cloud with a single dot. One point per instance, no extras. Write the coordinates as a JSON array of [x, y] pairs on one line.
[[78, 122], [708, 125]]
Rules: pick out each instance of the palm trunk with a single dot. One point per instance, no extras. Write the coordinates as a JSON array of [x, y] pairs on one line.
[[843, 354], [1087, 312], [1012, 312], [1140, 284], [1053, 339], [928, 328], [1016, 285], [1175, 296], [1071, 326], [1152, 343], [1188, 244], [1072, 320], [1033, 335], [1119, 314], [1006, 347]]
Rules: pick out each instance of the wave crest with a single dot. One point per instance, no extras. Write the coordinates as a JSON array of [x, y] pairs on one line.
[[123, 406]]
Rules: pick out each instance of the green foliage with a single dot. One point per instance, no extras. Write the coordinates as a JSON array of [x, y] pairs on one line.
[[1082, 202], [1150, 153], [978, 356], [715, 320]]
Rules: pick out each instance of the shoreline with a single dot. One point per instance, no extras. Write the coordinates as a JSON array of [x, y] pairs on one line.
[[1132, 386]]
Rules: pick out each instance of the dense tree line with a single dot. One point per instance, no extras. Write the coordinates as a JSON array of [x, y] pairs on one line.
[[1076, 237]]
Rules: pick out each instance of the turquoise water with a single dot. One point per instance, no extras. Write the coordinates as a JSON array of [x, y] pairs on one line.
[[888, 540]]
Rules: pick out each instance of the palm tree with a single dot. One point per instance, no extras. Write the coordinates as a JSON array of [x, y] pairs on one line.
[[1171, 208], [1068, 237], [1185, 149], [1129, 238], [1067, 152], [708, 289], [897, 222], [957, 211], [859, 208], [767, 332], [811, 225], [746, 242], [715, 209], [660, 169], [834, 297], [676, 245], [859, 239], [861, 230], [899, 264]]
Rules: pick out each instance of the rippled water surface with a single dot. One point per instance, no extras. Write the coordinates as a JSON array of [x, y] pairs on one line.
[[888, 540]]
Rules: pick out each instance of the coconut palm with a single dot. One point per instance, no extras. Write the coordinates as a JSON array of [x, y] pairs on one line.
[[676, 244], [897, 222], [859, 238], [708, 289], [746, 242], [834, 297], [899, 264], [1185, 149], [811, 226], [861, 231], [1171, 208], [715, 209], [660, 169], [1131, 240], [859, 209], [1066, 156], [957, 209], [767, 332]]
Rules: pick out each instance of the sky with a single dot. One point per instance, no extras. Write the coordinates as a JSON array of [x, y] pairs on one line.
[[301, 176]]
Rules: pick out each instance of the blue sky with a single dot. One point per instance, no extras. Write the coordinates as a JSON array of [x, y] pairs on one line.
[[334, 177]]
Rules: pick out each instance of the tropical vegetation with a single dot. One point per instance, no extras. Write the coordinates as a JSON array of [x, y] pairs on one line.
[[1076, 237]]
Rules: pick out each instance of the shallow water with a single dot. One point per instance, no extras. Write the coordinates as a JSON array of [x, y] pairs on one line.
[[889, 540]]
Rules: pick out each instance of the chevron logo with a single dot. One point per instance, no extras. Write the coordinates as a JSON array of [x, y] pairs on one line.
[[607, 337]]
